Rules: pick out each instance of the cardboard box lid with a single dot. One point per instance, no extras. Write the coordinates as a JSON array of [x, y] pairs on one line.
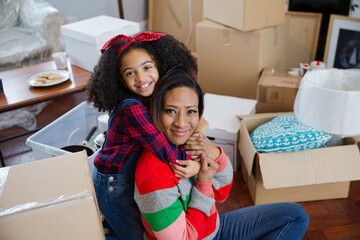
[[221, 111], [315, 166], [98, 30], [49, 199]]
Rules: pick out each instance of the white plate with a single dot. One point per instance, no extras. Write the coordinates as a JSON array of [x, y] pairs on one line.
[[63, 73]]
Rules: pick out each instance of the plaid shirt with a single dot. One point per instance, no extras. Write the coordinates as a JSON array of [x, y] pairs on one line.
[[132, 130]]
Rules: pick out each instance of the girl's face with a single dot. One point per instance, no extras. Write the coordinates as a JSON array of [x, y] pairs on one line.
[[139, 72], [179, 114]]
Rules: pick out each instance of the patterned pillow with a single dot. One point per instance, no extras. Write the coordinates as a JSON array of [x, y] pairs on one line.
[[285, 134]]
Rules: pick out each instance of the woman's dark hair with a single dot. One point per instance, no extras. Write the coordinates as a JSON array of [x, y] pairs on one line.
[[106, 87], [174, 78]]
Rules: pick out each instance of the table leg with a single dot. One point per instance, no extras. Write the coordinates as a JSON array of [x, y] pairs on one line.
[[2, 159]]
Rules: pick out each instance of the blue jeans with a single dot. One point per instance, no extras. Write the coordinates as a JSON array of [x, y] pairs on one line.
[[269, 221], [115, 196]]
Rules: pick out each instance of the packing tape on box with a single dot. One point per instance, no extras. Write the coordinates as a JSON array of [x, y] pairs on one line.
[[45, 203], [317, 65], [329, 101]]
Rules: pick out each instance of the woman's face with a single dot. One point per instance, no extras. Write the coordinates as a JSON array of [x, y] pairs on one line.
[[139, 72], [179, 114]]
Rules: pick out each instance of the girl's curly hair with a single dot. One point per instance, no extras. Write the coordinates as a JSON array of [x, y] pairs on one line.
[[106, 88]]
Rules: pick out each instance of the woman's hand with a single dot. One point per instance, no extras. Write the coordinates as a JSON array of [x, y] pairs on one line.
[[198, 144], [190, 168], [208, 169]]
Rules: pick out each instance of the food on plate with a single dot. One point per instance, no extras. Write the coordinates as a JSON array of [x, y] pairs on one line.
[[45, 78]]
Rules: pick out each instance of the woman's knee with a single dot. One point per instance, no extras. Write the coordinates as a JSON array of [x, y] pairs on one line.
[[297, 212]]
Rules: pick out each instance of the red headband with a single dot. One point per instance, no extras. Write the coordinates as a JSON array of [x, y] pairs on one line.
[[142, 37]]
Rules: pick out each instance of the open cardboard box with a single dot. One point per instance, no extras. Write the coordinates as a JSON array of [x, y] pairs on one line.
[[52, 198], [316, 174]]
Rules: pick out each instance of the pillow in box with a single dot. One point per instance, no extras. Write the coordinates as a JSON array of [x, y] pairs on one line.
[[286, 134]]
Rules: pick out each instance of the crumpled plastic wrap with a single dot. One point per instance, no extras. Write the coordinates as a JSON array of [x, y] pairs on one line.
[[22, 117], [329, 100], [33, 37], [9, 13]]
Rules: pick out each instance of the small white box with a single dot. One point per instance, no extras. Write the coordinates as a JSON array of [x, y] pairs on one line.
[[221, 113], [84, 39]]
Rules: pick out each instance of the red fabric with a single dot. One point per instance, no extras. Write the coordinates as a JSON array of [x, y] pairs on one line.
[[142, 37]]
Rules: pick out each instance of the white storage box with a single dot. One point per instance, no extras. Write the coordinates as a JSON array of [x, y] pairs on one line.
[[221, 113], [84, 39], [69, 129]]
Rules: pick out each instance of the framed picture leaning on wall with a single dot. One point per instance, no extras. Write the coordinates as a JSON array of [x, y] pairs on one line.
[[342, 49]]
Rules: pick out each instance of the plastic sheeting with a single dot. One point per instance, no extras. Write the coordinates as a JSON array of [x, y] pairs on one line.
[[29, 32], [329, 101], [22, 117]]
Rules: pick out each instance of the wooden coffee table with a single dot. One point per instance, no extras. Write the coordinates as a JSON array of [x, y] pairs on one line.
[[17, 92]]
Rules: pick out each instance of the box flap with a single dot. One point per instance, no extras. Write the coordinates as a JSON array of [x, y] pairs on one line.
[[248, 124], [246, 148], [228, 108], [98, 30], [315, 166]]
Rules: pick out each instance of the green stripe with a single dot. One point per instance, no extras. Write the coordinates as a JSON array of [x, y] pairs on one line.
[[186, 202], [162, 219]]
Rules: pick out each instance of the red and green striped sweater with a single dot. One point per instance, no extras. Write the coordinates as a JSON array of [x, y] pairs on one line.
[[174, 208]]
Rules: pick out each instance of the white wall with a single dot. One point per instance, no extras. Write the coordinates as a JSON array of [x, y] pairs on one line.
[[356, 12], [75, 10]]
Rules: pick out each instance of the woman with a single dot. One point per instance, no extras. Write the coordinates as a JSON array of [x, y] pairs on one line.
[[174, 208]]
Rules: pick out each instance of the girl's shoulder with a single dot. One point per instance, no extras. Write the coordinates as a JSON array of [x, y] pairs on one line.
[[128, 107]]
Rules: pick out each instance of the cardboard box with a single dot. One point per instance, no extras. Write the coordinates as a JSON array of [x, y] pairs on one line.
[[316, 174], [230, 61], [84, 39], [246, 15], [223, 131], [276, 90], [49, 199], [177, 18]]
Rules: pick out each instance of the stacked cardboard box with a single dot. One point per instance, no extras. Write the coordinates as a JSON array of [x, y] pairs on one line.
[[236, 41], [240, 37], [176, 17]]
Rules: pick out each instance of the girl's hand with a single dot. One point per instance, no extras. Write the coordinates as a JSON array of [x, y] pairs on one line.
[[190, 169], [202, 126], [198, 144], [208, 169]]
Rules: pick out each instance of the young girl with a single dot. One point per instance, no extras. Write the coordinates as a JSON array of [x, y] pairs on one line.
[[123, 79]]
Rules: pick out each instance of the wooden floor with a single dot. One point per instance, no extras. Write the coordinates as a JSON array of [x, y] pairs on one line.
[[329, 220]]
